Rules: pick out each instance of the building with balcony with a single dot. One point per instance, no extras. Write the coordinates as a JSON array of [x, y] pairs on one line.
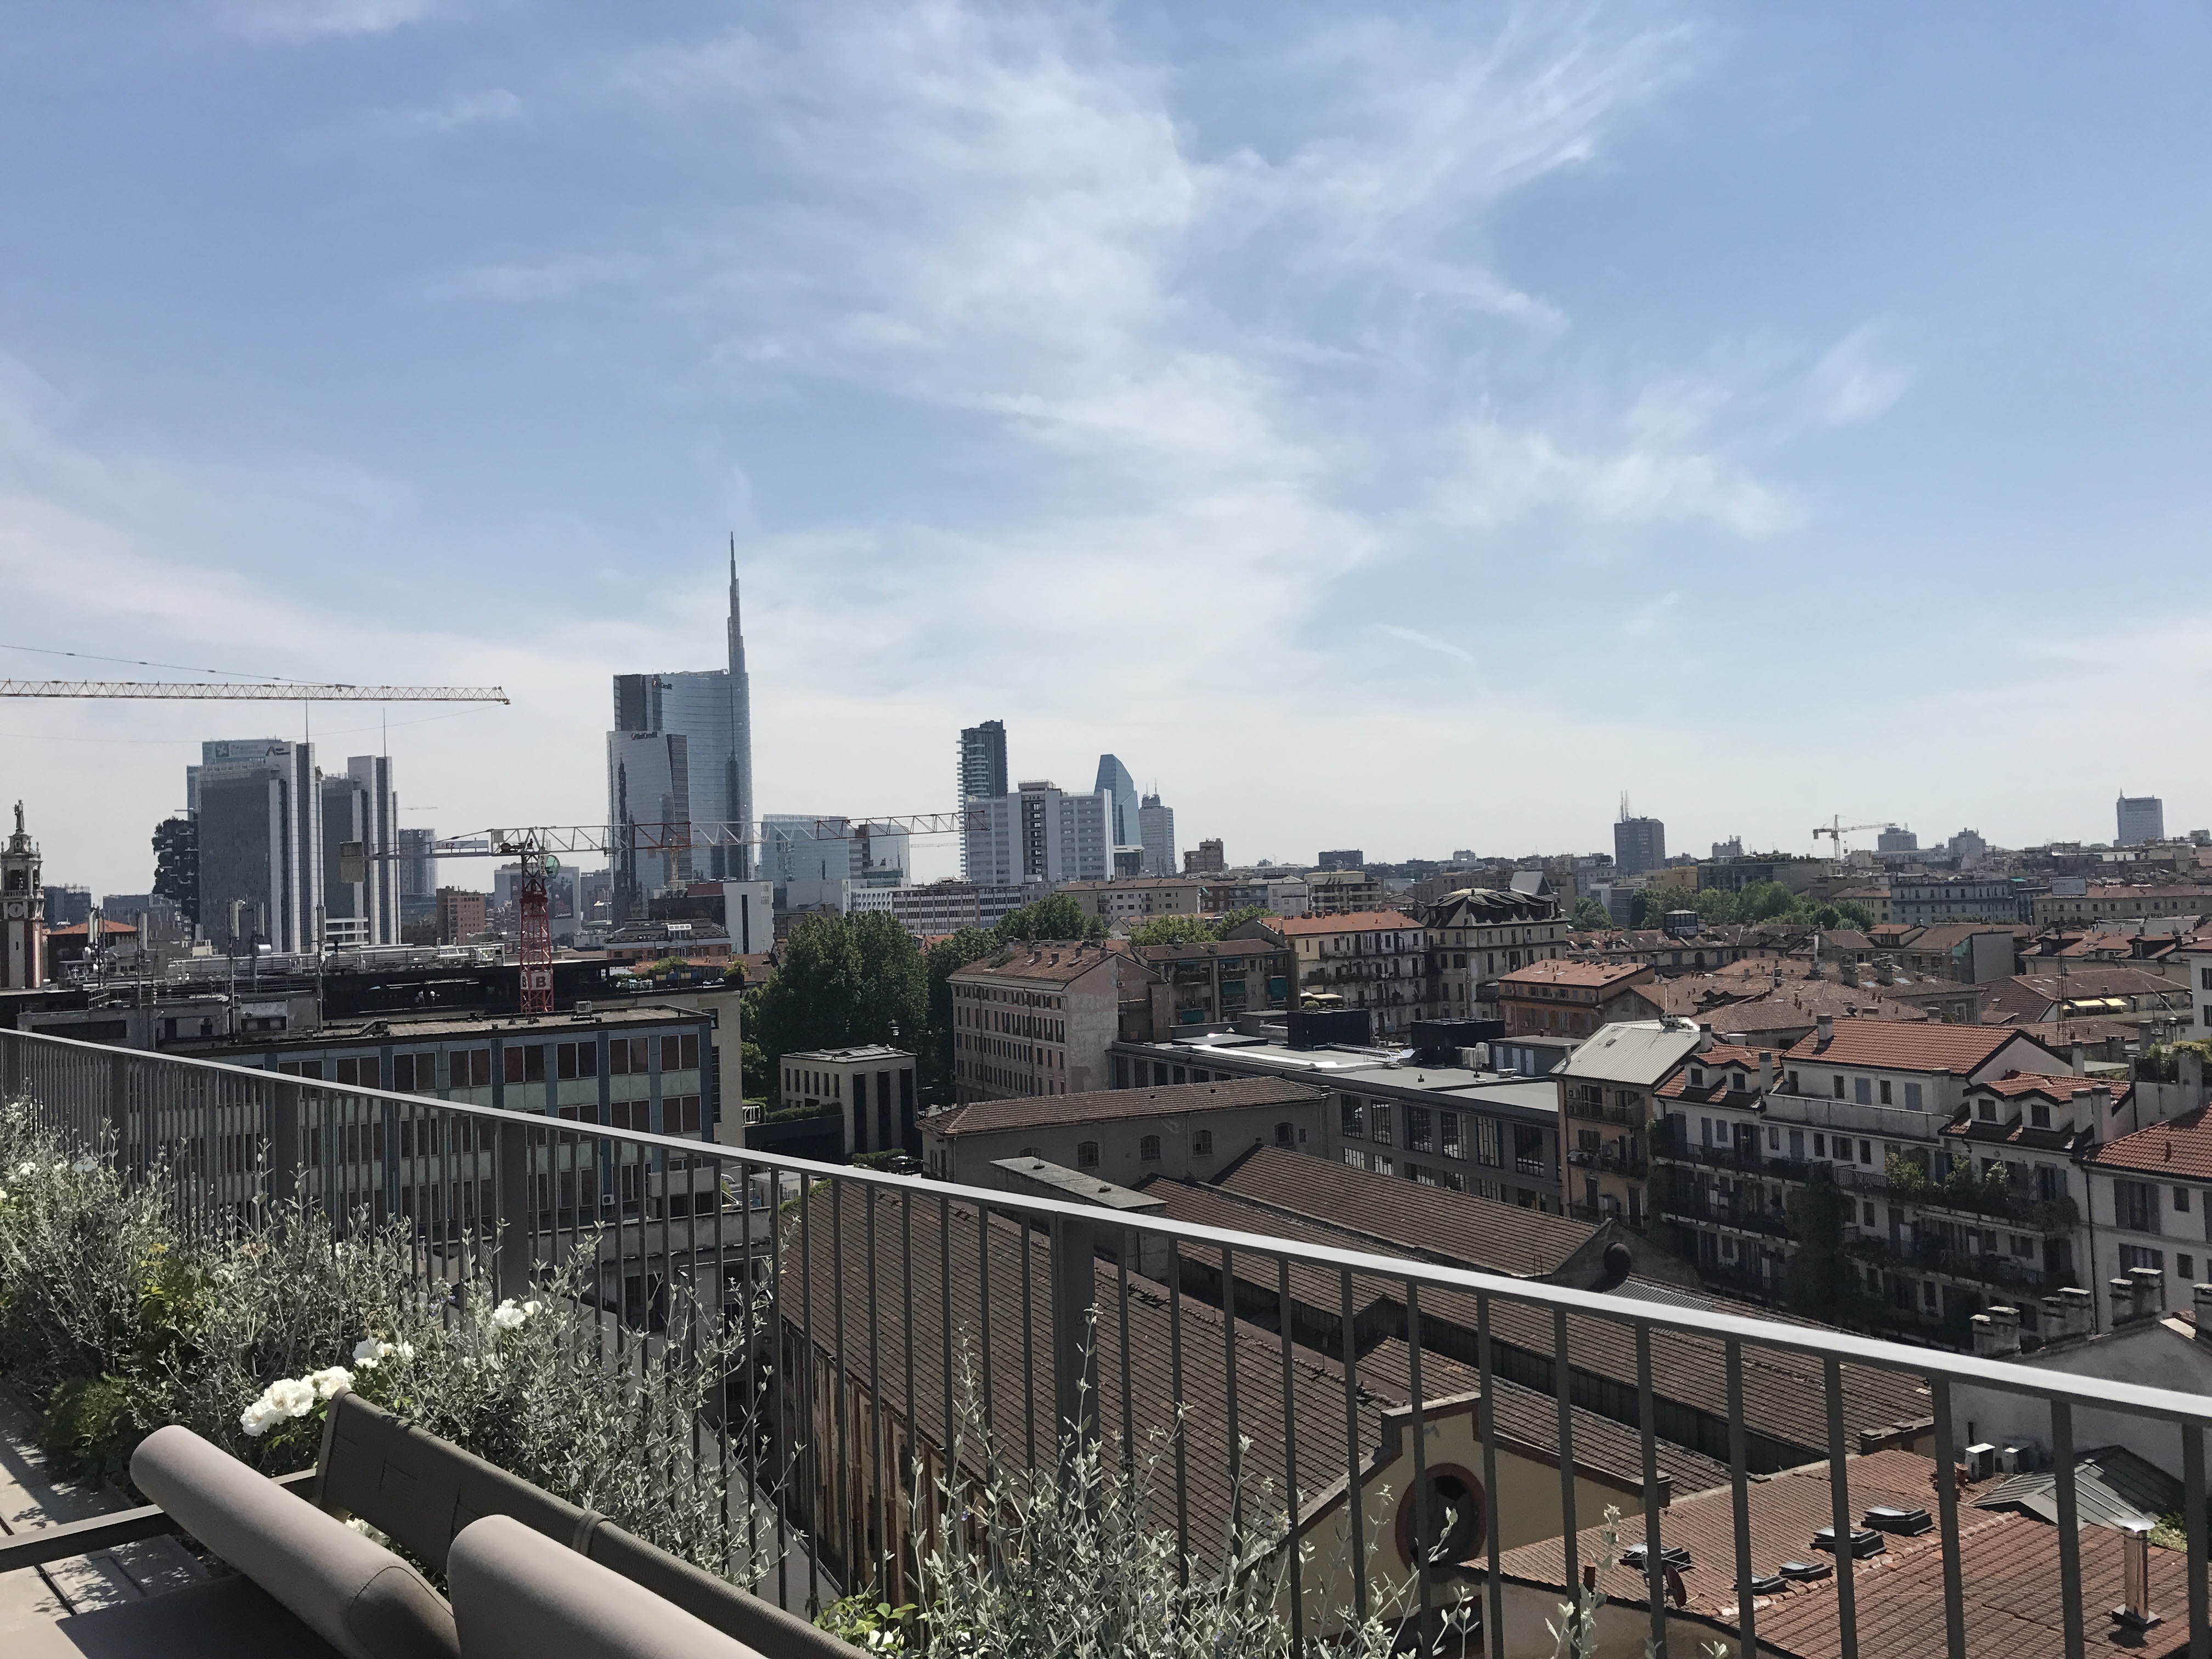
[[1605, 1092], [1477, 933], [1209, 984], [2116, 902], [1343, 892], [1130, 903], [1930, 901], [1377, 960]]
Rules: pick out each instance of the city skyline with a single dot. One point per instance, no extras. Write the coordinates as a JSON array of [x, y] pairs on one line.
[[470, 339]]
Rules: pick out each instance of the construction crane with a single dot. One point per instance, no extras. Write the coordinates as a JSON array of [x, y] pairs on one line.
[[1836, 830], [537, 850], [231, 692]]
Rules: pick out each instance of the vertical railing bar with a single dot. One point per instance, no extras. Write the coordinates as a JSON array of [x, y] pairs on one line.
[[1289, 1459], [749, 1312], [1416, 1429], [1493, 1612], [908, 1481], [1947, 1517], [983, 1336], [944, 1306], [1229, 1391], [843, 1470], [1655, 1565], [1839, 1505], [1355, 1498], [2069, 1535], [877, 1426], [1747, 1598], [778, 1349], [1174, 1401], [2193, 1526], [810, 1478], [1026, 1238], [1562, 1393], [1130, 1240]]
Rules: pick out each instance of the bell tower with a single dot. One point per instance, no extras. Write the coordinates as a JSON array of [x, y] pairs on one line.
[[22, 912]]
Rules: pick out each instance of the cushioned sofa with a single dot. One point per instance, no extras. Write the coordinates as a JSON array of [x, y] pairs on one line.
[[528, 1573]]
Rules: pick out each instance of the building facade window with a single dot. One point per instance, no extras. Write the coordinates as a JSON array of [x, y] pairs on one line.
[[1148, 1149], [1086, 1155]]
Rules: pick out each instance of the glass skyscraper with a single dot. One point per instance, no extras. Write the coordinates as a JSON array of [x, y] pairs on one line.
[[1112, 774], [705, 777]]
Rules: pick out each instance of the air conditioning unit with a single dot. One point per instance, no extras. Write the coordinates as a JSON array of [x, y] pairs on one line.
[[583, 1008], [1981, 1461]]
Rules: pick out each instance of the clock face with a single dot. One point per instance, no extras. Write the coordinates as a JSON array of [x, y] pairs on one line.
[[16, 910]]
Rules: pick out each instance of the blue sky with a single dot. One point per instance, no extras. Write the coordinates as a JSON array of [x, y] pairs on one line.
[[1405, 428]]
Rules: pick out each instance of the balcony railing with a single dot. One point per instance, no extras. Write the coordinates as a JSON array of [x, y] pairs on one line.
[[1073, 1321]]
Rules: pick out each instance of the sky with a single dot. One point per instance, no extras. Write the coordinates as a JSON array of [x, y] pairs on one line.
[[1406, 429]]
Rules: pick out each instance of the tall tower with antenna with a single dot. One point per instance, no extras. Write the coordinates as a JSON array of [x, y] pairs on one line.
[[741, 724]]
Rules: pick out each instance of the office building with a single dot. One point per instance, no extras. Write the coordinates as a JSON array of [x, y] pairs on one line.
[[982, 775], [22, 912], [648, 789], [258, 807], [1207, 859], [1156, 834], [946, 906], [710, 773], [1115, 777], [1897, 839], [1638, 844], [2142, 818], [360, 806], [461, 916], [817, 862], [1039, 832], [1341, 858], [67, 906], [416, 874]]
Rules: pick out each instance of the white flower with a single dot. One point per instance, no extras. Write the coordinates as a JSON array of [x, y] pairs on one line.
[[374, 1535], [86, 1165], [292, 1396], [3, 1194], [331, 1380], [401, 1351], [367, 1352], [61, 1168], [25, 1170], [256, 1418], [508, 1316], [531, 1307]]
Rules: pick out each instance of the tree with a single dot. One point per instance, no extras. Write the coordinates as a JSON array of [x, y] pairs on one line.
[[1764, 901], [1590, 916], [1851, 914], [1055, 916], [1818, 1282], [840, 981], [1173, 930]]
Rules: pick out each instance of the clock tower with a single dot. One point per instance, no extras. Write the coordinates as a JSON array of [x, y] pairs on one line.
[[22, 912]]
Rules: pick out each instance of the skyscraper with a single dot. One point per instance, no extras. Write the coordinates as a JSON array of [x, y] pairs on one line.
[[359, 805], [1155, 830], [982, 775], [258, 807], [1039, 833], [1638, 844], [2142, 818], [1113, 775], [711, 713]]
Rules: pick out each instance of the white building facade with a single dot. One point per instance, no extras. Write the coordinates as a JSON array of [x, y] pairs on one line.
[[1039, 832]]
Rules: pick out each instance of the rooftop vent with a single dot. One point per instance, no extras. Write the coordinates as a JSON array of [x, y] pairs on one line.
[[1767, 1585], [1864, 1540], [2135, 1612], [1884, 1517], [1673, 1555], [1804, 1571]]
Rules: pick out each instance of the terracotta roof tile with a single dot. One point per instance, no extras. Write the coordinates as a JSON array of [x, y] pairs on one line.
[[1957, 1050], [1564, 972], [1352, 921], [2180, 1147]]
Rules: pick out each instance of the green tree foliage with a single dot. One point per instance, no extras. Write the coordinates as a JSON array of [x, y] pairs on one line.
[[1590, 916], [1194, 930], [840, 981], [1849, 913], [1055, 916]]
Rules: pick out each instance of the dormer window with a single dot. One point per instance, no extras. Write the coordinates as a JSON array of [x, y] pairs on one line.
[[1696, 1077], [1986, 1109], [2039, 1115]]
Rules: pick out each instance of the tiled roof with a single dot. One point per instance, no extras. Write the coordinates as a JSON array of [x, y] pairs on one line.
[[1799, 1002], [1352, 921], [1563, 972], [1958, 1050], [2091, 979], [1718, 1063], [1118, 1105], [2181, 1146], [2064, 1086], [1052, 961], [1687, 1369], [1433, 1222]]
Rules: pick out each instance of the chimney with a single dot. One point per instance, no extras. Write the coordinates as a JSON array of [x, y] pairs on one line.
[[2135, 1611], [2081, 1310], [1996, 1333], [1704, 1038], [2100, 1111], [2079, 1051], [2150, 1290], [2123, 1294], [1825, 1029], [2192, 1075], [2202, 1295]]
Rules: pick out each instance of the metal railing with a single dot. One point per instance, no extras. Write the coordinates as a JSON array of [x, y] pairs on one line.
[[1078, 1322]]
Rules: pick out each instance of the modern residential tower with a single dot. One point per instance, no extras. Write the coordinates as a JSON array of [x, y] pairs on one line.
[[982, 775], [2142, 818]]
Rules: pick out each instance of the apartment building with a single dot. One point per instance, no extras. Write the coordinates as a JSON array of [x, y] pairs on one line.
[[1927, 901], [1212, 983], [1374, 959], [946, 906], [1606, 1091], [1478, 932], [2149, 1196], [2123, 902], [1572, 999], [1342, 892], [1127, 903], [1038, 1019]]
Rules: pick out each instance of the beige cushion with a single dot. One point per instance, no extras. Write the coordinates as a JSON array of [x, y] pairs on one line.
[[517, 1595], [358, 1597]]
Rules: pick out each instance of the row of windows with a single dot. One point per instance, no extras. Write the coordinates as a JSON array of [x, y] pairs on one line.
[[1867, 1091], [416, 1070], [1148, 1148], [1016, 998]]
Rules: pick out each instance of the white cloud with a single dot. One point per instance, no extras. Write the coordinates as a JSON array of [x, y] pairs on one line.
[[1848, 384], [1426, 641], [1504, 473], [1646, 618], [294, 20]]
